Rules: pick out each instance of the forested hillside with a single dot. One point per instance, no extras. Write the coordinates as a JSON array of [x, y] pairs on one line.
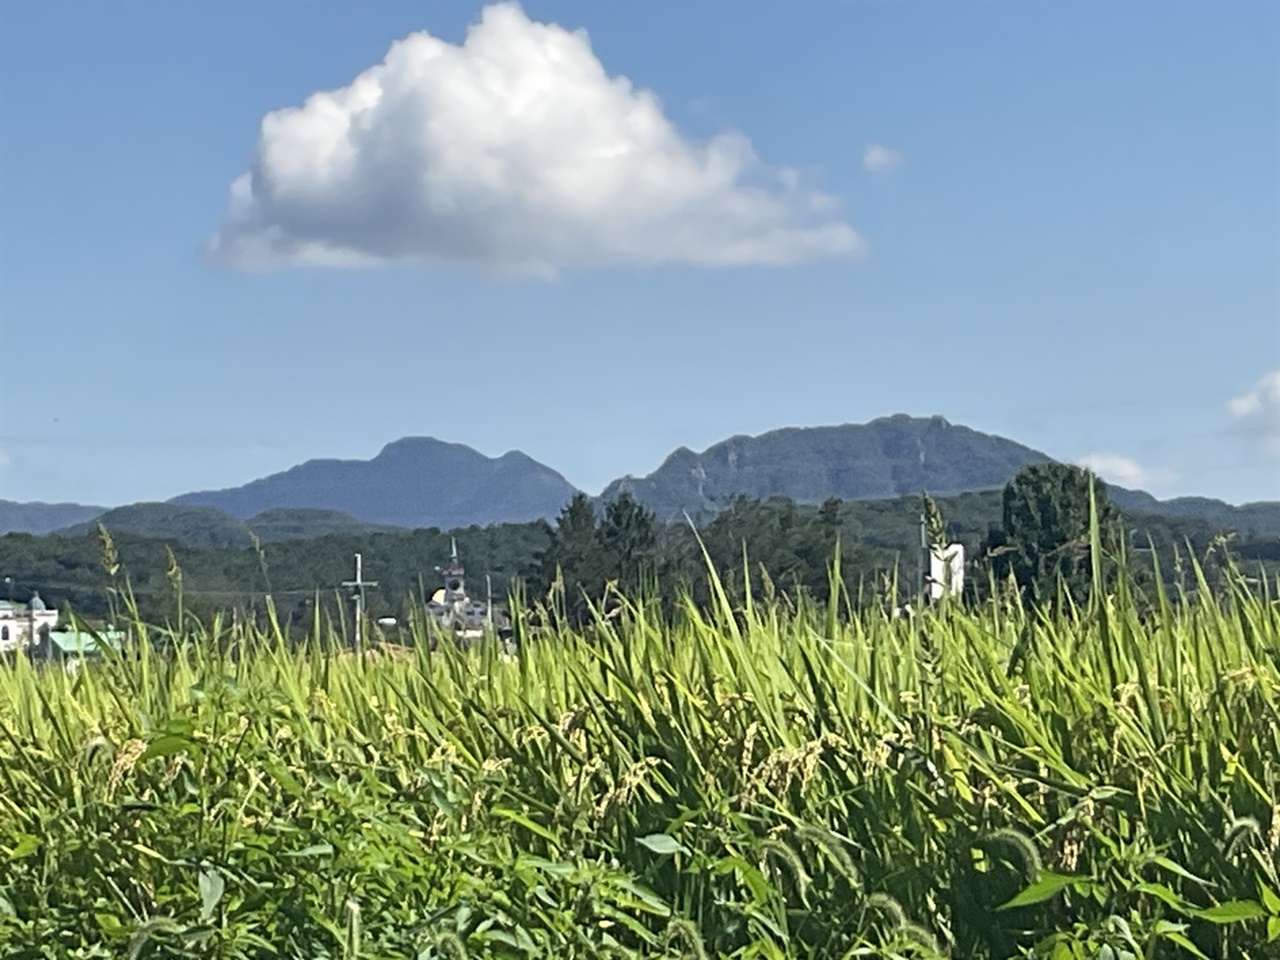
[[788, 548]]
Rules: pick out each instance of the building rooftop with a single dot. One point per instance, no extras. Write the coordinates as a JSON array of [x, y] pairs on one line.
[[81, 642], [16, 608]]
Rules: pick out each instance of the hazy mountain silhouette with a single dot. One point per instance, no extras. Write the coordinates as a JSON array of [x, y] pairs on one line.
[[414, 482], [1259, 519], [423, 482], [42, 517], [888, 457]]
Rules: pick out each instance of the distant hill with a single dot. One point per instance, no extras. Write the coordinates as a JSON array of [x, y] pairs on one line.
[[414, 482], [304, 523], [42, 517], [889, 457], [193, 526], [1261, 519]]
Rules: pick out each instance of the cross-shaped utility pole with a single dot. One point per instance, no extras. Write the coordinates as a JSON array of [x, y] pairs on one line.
[[360, 584]]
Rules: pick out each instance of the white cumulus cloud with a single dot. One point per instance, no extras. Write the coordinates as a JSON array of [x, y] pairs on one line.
[[877, 158], [514, 150], [1127, 472], [1257, 411]]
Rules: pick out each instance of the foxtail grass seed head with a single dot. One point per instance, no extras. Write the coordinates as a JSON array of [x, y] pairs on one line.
[[124, 763]]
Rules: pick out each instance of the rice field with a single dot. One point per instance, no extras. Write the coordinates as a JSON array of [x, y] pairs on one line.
[[766, 782]]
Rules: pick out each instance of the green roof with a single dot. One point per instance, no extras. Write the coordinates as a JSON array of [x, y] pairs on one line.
[[82, 642]]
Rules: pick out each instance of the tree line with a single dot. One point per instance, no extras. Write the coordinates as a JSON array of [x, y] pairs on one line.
[[1032, 537], [1042, 548]]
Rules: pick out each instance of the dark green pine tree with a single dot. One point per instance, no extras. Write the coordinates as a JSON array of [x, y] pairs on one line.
[[816, 547], [1044, 537], [628, 540], [574, 563]]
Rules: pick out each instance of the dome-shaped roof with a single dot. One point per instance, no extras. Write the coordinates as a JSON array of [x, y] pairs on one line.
[[36, 603]]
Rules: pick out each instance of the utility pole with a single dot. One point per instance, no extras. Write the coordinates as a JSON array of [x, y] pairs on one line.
[[360, 584], [923, 568]]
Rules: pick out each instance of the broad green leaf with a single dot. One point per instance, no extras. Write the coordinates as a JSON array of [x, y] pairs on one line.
[[1045, 886], [26, 845], [211, 888], [561, 871], [166, 745], [663, 844], [1233, 911], [1175, 933], [284, 777], [748, 874], [109, 924]]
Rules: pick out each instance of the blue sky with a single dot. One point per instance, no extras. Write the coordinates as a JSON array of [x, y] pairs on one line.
[[1078, 245]]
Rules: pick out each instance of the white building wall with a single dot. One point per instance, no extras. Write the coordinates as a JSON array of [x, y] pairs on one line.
[[20, 626], [946, 571]]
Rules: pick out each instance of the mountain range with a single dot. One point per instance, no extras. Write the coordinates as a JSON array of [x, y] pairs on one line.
[[41, 518], [888, 457], [420, 482], [415, 482]]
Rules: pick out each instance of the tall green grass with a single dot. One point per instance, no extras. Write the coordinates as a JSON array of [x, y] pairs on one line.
[[759, 782]]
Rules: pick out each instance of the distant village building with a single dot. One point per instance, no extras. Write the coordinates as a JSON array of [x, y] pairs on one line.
[[946, 571], [35, 629], [21, 625], [942, 572], [70, 646], [457, 614]]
